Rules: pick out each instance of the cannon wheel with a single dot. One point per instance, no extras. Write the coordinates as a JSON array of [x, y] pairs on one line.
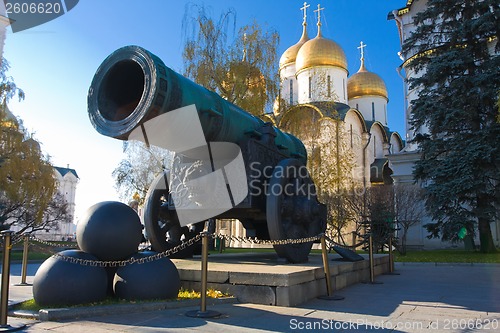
[[288, 210], [162, 225]]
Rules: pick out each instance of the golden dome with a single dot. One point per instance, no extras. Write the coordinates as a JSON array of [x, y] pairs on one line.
[[290, 54], [320, 51], [365, 83]]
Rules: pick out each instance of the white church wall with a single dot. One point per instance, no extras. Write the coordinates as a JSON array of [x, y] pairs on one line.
[[396, 144], [287, 75], [373, 108], [322, 83], [354, 130], [376, 143]]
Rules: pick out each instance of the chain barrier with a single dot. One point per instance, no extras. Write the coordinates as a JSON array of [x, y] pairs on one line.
[[51, 244], [363, 242], [16, 239], [255, 240], [121, 263], [169, 252]]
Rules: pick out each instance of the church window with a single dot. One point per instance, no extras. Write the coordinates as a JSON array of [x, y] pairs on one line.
[[343, 87], [291, 91], [352, 145], [357, 106], [310, 86], [329, 83], [373, 111], [374, 147], [385, 113]]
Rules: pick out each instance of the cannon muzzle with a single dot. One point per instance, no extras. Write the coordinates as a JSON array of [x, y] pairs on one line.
[[133, 86]]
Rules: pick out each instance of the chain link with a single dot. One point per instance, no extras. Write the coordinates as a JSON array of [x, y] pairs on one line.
[[51, 244], [255, 240], [180, 247], [121, 263], [16, 240], [331, 241]]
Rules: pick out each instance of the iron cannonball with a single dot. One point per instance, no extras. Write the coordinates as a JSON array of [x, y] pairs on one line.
[[157, 279], [109, 230], [59, 282]]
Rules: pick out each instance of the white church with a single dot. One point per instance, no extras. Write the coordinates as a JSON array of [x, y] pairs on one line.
[[316, 90], [333, 113]]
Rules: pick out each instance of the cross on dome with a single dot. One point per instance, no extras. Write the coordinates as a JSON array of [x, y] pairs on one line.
[[319, 13], [361, 47], [305, 12]]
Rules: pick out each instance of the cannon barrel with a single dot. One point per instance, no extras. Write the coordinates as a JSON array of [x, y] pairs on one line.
[[132, 86]]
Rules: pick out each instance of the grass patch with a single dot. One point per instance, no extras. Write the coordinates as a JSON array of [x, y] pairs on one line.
[[450, 255], [184, 294], [18, 255]]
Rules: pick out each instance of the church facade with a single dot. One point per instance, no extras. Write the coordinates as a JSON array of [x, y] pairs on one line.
[[340, 118], [324, 106]]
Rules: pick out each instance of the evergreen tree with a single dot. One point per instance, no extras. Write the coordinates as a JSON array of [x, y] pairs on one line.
[[455, 54]]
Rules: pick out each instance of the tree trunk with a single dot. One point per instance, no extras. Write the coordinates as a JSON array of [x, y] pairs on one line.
[[486, 239], [403, 241]]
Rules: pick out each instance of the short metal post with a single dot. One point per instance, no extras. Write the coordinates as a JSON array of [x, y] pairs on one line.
[[5, 277], [4, 301], [326, 268], [370, 254], [24, 269], [372, 262], [204, 273], [391, 259], [203, 313]]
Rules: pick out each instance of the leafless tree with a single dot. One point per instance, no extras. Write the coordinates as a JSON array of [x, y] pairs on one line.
[[409, 209]]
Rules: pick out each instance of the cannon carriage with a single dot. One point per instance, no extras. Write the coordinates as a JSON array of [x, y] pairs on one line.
[[133, 87]]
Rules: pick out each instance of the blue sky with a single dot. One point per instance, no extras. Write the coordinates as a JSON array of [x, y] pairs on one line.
[[54, 64]]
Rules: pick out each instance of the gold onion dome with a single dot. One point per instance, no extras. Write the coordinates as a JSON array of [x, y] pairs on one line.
[[290, 54], [365, 83], [320, 51]]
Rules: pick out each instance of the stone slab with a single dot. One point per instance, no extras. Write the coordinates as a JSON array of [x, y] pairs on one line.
[[263, 278], [122, 309]]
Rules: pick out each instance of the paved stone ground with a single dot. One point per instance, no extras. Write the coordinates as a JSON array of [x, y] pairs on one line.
[[424, 298]]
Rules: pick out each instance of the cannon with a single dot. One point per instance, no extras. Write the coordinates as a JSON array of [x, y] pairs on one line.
[[133, 86]]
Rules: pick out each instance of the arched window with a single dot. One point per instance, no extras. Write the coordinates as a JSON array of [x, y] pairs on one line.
[[343, 87], [352, 145], [310, 86], [329, 87], [385, 113], [373, 111], [291, 91]]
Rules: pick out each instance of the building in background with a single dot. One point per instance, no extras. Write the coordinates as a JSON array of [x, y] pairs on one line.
[[341, 119], [67, 180], [402, 163]]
